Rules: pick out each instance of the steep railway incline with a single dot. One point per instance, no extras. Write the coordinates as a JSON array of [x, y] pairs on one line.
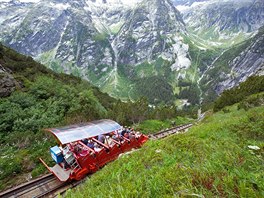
[[49, 186], [171, 131]]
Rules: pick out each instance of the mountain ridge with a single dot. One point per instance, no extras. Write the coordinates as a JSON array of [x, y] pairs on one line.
[[116, 45]]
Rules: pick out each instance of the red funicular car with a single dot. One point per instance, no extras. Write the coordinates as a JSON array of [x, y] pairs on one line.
[[86, 147]]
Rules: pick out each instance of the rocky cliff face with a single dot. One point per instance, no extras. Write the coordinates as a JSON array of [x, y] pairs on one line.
[[247, 63], [235, 65], [230, 25], [56, 30], [147, 33], [7, 82], [223, 21], [119, 45], [151, 30], [102, 41]]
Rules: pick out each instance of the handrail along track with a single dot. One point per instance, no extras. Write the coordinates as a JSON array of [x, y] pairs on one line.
[[49, 186]]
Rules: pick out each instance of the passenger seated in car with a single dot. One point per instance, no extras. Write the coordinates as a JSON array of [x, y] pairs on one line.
[[85, 141], [97, 147], [123, 131], [109, 141], [132, 134], [90, 144], [138, 134], [115, 137], [126, 135], [77, 149], [120, 136], [65, 165], [101, 138]]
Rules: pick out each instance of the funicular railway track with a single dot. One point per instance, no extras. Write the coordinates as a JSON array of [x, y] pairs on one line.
[[45, 186], [171, 131], [49, 186], [32, 187]]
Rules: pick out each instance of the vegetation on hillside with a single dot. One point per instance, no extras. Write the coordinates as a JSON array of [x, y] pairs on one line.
[[45, 99], [201, 58], [153, 126], [191, 93], [212, 160], [253, 85], [156, 88]]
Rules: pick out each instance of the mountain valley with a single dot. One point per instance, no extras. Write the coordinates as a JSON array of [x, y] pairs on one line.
[[152, 48]]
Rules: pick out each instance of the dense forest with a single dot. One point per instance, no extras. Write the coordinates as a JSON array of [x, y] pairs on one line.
[[156, 89]]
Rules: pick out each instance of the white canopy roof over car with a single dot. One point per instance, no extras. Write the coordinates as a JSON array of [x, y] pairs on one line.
[[77, 132]]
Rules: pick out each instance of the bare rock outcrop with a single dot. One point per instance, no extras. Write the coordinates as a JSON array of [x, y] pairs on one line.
[[7, 82]]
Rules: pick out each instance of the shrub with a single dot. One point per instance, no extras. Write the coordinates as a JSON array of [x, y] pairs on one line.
[[252, 101], [253, 85]]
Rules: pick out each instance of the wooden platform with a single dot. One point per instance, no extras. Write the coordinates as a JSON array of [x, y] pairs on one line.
[[60, 173]]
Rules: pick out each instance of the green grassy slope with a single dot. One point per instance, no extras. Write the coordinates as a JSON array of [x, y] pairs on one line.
[[153, 126], [211, 160]]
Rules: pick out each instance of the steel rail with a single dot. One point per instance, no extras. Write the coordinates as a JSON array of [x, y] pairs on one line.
[[25, 188], [171, 131]]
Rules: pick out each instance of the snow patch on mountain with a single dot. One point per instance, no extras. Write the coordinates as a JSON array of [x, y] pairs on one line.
[[109, 3], [60, 6], [180, 50], [196, 5], [178, 53]]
